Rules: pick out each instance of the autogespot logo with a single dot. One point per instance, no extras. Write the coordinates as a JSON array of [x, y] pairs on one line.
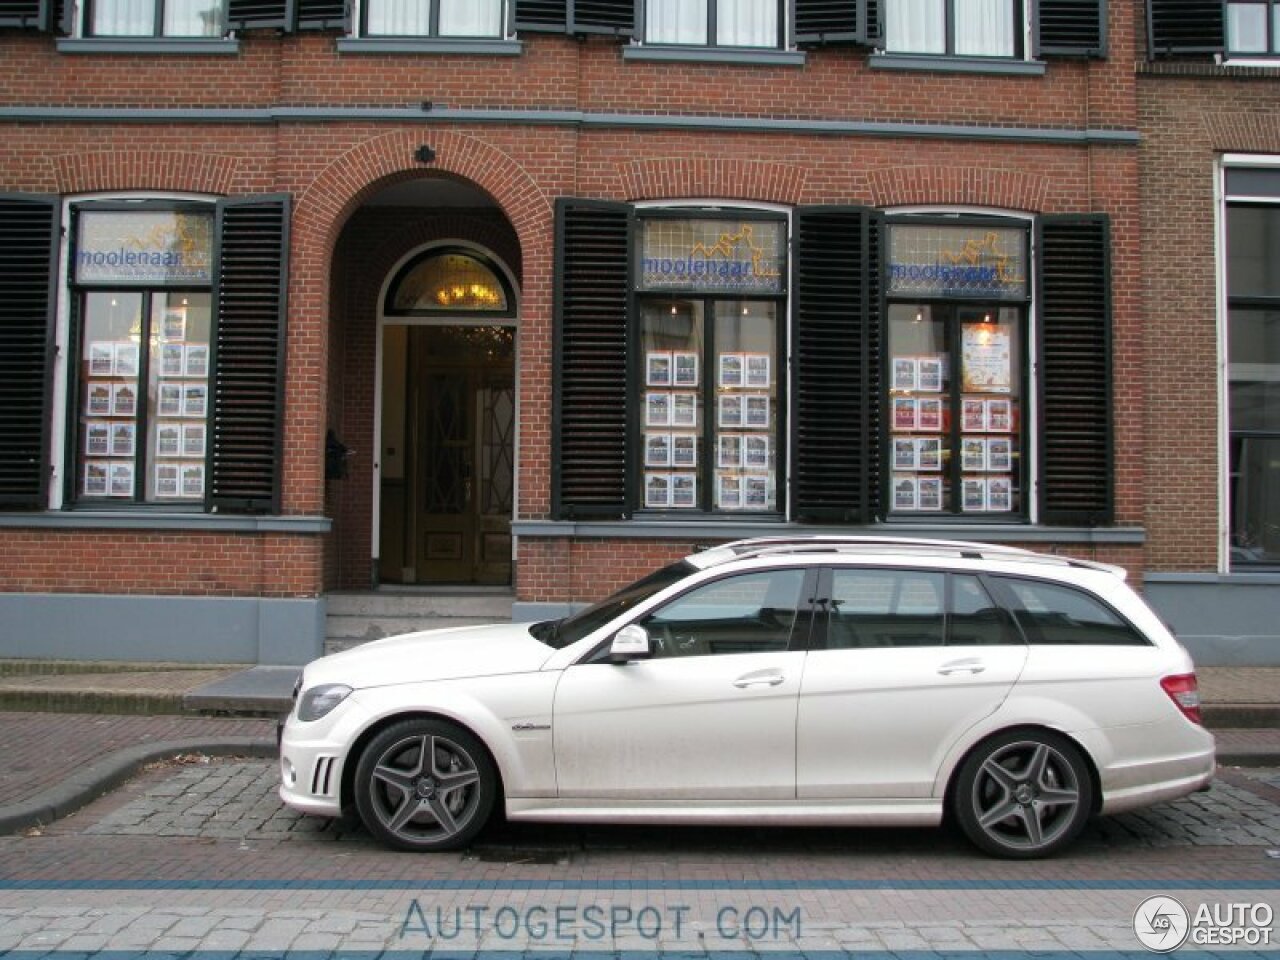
[[1161, 924]]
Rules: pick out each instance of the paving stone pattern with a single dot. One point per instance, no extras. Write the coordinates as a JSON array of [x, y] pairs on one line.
[[40, 750], [237, 799]]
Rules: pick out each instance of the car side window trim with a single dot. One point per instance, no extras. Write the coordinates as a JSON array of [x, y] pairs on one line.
[[801, 629]]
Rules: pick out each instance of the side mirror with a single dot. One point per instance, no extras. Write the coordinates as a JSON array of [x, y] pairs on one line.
[[630, 643]]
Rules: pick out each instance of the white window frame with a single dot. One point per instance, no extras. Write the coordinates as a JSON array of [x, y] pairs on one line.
[[783, 39], [1031, 408], [1023, 37], [359, 26], [1224, 163]]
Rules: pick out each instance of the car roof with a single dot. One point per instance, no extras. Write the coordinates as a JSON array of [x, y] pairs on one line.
[[881, 548]]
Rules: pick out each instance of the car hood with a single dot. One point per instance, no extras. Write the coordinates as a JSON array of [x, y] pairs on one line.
[[449, 654]]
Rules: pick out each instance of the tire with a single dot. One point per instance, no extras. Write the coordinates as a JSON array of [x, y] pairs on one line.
[[1023, 794], [424, 784]]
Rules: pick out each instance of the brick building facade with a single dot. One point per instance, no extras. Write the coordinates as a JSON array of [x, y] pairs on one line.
[[571, 298]]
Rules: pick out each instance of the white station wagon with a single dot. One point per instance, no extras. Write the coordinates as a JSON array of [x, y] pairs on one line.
[[851, 681]]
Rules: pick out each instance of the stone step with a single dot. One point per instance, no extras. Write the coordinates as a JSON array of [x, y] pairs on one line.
[[493, 606]]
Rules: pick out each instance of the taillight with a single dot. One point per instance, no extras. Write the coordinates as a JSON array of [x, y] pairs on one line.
[[1185, 694]]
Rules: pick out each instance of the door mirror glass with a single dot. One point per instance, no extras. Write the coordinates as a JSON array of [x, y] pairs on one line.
[[630, 643]]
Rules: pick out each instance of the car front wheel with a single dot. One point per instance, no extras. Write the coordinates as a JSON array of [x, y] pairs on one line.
[[1023, 794], [425, 784]]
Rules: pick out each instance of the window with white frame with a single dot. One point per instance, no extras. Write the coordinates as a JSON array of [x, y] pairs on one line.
[[960, 28], [1253, 355], [720, 23], [445, 19], [156, 18], [1253, 28]]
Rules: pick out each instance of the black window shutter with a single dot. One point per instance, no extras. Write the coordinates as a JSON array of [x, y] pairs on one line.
[[617, 17], [819, 22], [835, 383], [589, 405], [1185, 26], [1075, 370], [248, 374], [1071, 28], [29, 234], [827, 21], [324, 15], [260, 14], [542, 16], [26, 14], [872, 20]]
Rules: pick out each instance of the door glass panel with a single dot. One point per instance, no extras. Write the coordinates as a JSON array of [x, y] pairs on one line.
[[672, 342], [109, 368], [886, 608], [178, 395], [746, 436], [751, 613], [975, 617]]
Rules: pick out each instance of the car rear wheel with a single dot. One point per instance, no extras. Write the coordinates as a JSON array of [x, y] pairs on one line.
[[425, 784], [1023, 794]]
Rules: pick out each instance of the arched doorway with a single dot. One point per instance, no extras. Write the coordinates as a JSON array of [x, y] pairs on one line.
[[446, 418]]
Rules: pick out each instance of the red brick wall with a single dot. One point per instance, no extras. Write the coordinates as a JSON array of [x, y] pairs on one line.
[[1189, 115], [176, 562], [580, 568]]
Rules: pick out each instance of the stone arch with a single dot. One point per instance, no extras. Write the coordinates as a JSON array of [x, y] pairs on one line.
[[168, 170], [967, 186], [669, 177], [321, 211]]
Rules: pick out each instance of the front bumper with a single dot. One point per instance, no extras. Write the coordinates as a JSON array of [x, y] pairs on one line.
[[313, 756]]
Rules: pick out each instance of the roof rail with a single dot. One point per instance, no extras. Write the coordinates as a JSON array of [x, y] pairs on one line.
[[872, 545]]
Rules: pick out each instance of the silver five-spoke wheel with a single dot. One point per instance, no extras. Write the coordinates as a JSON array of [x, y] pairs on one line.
[[424, 784], [1023, 794]]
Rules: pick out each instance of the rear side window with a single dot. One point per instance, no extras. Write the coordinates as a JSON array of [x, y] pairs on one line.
[[1057, 615], [886, 608]]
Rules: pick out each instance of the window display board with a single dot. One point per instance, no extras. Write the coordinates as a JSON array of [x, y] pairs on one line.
[[673, 379], [954, 425]]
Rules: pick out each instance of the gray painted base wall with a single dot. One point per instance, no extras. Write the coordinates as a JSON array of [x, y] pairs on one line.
[[179, 629], [1225, 621]]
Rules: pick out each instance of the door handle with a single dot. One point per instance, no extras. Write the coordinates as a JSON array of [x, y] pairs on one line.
[[962, 666], [756, 680]]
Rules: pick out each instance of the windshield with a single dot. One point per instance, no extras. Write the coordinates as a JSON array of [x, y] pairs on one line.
[[562, 633]]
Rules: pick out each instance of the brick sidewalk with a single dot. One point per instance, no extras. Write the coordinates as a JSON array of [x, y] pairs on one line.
[[40, 750]]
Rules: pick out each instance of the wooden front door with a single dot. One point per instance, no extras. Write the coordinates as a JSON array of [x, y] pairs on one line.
[[461, 435]]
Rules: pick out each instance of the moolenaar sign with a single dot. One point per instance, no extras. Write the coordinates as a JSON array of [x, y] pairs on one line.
[[964, 262], [165, 248], [712, 255]]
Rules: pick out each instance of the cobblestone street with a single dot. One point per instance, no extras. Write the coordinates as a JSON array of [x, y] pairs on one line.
[[231, 799], [198, 855]]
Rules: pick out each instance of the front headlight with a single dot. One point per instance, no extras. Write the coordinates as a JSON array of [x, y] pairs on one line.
[[318, 701]]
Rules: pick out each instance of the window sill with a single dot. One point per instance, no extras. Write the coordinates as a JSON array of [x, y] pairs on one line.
[[165, 46], [902, 61], [143, 519], [689, 528], [493, 48], [757, 58]]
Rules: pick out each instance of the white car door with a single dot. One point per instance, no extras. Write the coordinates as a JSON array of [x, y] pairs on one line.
[[891, 688], [711, 716]]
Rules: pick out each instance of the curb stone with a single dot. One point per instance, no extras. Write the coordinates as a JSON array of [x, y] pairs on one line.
[[87, 785]]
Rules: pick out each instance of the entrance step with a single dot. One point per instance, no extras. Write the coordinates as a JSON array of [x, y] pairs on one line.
[[356, 618]]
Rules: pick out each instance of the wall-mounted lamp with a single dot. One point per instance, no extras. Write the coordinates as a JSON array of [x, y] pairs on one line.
[[424, 154]]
